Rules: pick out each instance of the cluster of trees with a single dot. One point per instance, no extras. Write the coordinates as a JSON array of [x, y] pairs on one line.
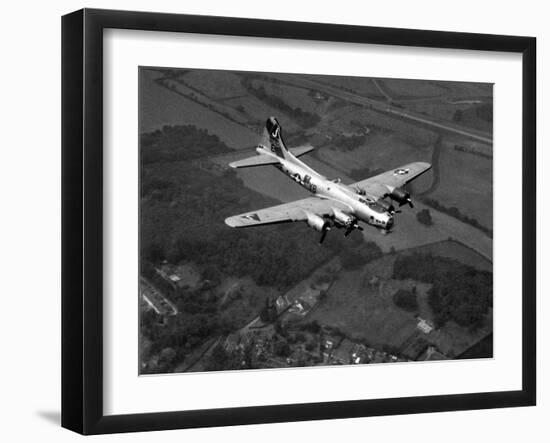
[[455, 212], [458, 116], [406, 300], [269, 311], [459, 292], [349, 142], [483, 112], [222, 360], [179, 142], [425, 217], [303, 118]]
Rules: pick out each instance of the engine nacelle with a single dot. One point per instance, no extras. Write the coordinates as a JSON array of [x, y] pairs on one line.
[[342, 218], [400, 195], [316, 222]]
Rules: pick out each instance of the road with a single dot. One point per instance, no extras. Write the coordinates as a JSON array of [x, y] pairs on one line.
[[389, 109], [388, 98]]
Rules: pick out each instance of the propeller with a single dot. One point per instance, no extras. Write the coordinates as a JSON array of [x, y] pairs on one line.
[[351, 228], [407, 202], [324, 234]]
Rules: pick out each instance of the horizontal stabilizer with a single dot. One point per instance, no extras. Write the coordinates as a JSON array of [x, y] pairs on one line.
[[301, 150], [257, 160]]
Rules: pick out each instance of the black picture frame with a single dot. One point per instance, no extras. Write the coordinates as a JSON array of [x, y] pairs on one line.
[[82, 216]]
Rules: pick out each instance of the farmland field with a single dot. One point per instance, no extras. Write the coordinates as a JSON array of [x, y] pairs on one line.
[[160, 107], [378, 153], [366, 311], [193, 123], [473, 176], [456, 251], [219, 85], [400, 89]]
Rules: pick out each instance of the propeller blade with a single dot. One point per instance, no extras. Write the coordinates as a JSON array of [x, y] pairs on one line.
[[323, 235], [409, 201], [351, 228]]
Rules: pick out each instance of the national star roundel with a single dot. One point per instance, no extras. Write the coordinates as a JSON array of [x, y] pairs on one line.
[[401, 171]]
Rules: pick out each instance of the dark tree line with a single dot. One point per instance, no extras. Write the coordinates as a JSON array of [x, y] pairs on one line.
[[478, 116], [455, 212], [406, 300], [425, 217], [180, 142], [349, 142]]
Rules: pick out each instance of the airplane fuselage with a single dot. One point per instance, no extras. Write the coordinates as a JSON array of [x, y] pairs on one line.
[[361, 207]]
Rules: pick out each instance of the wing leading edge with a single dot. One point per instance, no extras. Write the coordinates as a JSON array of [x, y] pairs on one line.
[[288, 212]]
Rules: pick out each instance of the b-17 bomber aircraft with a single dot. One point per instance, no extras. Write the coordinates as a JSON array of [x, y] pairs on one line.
[[333, 203]]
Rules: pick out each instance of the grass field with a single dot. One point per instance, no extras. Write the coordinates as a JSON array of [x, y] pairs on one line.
[[378, 152], [219, 85], [439, 109], [356, 84], [295, 96], [160, 107], [366, 312], [456, 251], [467, 183], [400, 89], [403, 89]]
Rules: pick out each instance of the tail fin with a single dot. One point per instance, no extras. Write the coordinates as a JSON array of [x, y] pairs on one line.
[[272, 138]]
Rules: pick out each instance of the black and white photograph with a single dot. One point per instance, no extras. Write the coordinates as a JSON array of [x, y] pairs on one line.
[[297, 220], [259, 222]]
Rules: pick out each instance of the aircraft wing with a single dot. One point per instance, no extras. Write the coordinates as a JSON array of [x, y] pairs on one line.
[[301, 150], [287, 212], [256, 160], [379, 185]]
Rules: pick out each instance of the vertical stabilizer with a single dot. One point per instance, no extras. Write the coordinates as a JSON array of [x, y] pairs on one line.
[[272, 138]]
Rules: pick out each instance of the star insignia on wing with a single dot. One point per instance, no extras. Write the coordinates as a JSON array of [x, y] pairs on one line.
[[252, 217], [401, 171]]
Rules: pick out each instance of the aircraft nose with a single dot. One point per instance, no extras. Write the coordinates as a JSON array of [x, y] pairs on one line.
[[389, 223]]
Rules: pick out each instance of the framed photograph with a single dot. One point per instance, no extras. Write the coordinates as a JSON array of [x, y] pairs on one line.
[[270, 221]]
